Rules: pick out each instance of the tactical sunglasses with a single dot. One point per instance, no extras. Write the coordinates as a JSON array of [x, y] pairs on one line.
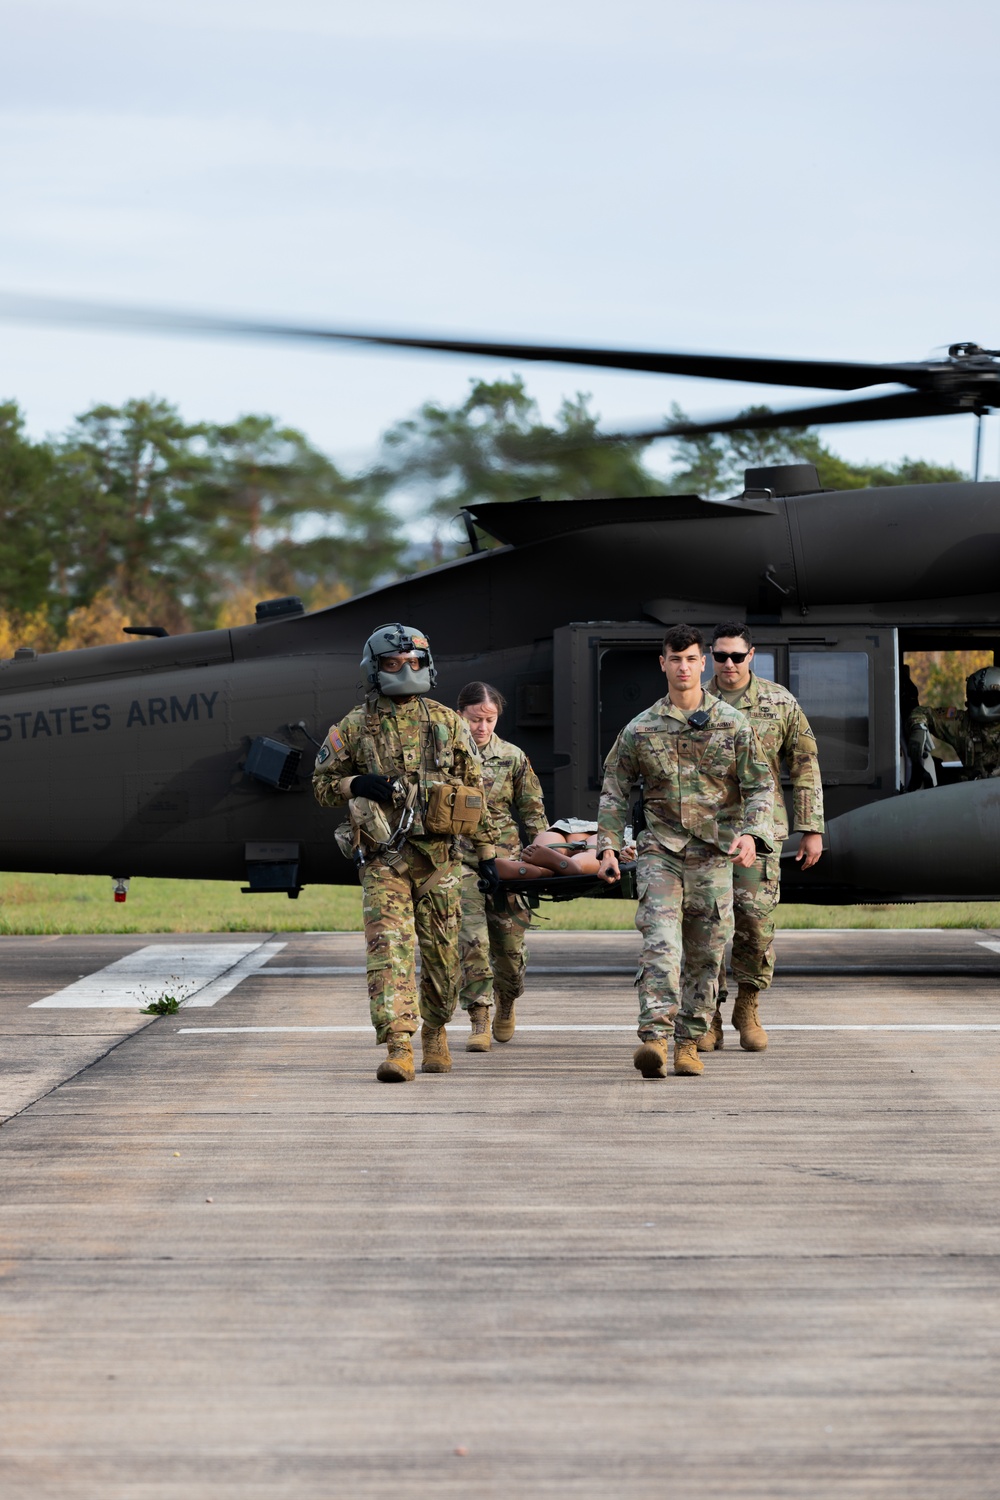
[[414, 659], [988, 697], [734, 656]]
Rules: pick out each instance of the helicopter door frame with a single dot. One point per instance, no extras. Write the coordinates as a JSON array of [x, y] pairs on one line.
[[579, 652], [586, 683], [833, 691]]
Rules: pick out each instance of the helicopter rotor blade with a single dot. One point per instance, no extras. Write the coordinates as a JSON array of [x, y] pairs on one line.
[[813, 374], [895, 407]]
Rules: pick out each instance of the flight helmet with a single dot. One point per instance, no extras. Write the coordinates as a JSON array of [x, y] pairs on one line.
[[982, 694], [397, 640]]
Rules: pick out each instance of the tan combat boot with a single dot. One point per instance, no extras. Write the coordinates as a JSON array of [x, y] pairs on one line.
[[753, 1037], [713, 1039], [504, 1021], [479, 1036], [686, 1060], [651, 1058], [434, 1044], [398, 1064]]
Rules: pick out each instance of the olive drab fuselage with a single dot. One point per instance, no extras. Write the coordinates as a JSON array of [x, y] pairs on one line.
[[131, 759]]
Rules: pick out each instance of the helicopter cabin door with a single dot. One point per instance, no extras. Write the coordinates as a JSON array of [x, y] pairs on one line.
[[847, 681]]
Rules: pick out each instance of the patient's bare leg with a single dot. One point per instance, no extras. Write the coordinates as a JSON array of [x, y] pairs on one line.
[[550, 849], [519, 869]]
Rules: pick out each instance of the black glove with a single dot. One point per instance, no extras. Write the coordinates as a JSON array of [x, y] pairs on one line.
[[376, 788], [919, 778], [489, 879]]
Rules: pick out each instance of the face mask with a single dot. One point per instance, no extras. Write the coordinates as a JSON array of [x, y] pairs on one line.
[[406, 683]]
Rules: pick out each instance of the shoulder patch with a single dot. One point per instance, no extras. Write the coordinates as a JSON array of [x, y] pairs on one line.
[[323, 755], [334, 739]]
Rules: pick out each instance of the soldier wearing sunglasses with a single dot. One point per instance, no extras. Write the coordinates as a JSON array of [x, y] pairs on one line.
[[973, 732], [707, 800], [783, 733]]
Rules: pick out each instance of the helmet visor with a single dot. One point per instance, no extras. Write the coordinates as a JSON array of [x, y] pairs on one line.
[[414, 659]]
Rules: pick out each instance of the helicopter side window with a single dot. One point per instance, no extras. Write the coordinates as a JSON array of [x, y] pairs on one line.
[[832, 688]]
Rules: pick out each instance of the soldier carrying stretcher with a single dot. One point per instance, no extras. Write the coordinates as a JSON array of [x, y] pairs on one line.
[[708, 803]]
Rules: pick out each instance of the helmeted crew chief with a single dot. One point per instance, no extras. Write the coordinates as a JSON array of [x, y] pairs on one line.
[[492, 943], [973, 732], [708, 803], [409, 771], [783, 733]]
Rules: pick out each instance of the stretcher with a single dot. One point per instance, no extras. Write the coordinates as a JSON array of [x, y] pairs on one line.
[[565, 888]]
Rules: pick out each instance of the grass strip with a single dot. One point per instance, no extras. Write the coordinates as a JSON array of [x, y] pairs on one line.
[[83, 903]]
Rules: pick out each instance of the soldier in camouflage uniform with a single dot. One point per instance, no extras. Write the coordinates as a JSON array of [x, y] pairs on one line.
[[783, 733], [707, 804], [384, 759], [973, 732], [492, 944]]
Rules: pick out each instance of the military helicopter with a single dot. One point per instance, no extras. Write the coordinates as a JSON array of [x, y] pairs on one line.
[[190, 755]]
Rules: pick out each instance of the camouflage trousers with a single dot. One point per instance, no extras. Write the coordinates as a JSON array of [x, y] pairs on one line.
[[685, 915], [756, 893], [396, 919], [491, 947]]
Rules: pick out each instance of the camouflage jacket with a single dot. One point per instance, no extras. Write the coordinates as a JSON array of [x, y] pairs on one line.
[[513, 796], [783, 732], [708, 784], [416, 740], [976, 744]]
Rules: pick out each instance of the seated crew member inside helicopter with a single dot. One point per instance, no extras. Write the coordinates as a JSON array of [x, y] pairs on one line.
[[409, 773], [973, 732]]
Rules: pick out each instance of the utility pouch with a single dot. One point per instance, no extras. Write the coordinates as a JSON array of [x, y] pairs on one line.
[[453, 809], [367, 832]]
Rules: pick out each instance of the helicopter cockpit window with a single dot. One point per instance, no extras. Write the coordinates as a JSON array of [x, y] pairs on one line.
[[832, 688]]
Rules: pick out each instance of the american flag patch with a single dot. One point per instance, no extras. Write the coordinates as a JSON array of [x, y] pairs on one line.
[[336, 741]]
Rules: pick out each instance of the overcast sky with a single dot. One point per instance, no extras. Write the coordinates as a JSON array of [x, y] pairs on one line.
[[783, 177]]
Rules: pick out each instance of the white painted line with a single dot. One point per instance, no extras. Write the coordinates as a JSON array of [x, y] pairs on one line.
[[305, 972], [217, 988], [903, 1026], [221, 1031], [195, 974], [229, 1030], [990, 943]]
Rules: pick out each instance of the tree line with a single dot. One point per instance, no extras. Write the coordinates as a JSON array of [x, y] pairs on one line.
[[135, 515]]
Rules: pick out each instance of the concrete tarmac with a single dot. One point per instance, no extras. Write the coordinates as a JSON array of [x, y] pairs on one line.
[[234, 1265]]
